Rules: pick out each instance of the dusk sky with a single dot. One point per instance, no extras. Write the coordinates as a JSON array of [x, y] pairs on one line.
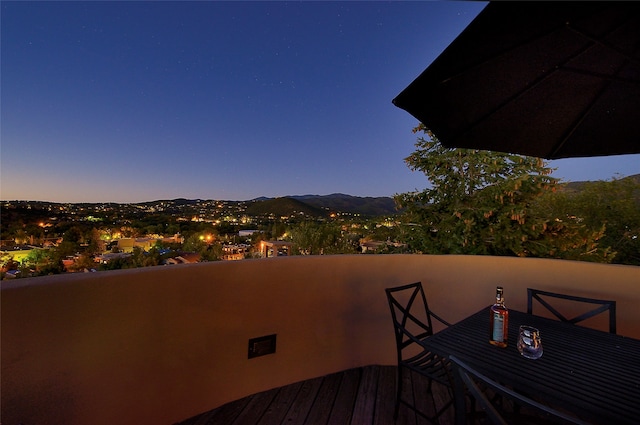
[[140, 101]]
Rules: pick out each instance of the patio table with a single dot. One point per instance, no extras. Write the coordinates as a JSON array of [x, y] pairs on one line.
[[590, 373]]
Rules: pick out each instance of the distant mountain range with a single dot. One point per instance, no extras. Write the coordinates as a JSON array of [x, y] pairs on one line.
[[322, 205], [307, 205], [578, 186], [319, 205], [367, 206]]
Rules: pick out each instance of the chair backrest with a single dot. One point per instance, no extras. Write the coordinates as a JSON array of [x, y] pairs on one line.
[[602, 306], [481, 390], [410, 313]]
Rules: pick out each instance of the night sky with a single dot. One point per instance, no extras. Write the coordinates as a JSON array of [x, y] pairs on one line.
[[140, 101]]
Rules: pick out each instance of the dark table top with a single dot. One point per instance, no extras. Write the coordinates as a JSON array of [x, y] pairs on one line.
[[592, 373]]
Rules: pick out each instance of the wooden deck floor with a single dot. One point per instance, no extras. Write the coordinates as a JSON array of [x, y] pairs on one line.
[[363, 395]]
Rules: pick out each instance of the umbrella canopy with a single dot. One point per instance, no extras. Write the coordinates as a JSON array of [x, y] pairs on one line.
[[546, 79]]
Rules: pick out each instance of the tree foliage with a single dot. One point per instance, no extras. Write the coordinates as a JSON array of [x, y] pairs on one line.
[[42, 262], [208, 250], [482, 202], [612, 206], [314, 238]]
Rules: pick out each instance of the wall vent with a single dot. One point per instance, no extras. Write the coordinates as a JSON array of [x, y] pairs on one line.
[[262, 346]]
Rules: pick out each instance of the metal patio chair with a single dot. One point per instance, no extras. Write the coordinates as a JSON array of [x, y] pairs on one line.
[[412, 322], [602, 306], [472, 385]]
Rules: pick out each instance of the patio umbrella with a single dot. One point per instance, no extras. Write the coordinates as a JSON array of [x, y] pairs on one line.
[[546, 79]]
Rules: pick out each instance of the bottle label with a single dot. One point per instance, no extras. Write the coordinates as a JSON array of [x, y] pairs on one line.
[[498, 327]]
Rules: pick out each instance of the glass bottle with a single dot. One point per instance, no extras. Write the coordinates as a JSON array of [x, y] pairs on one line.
[[499, 321]]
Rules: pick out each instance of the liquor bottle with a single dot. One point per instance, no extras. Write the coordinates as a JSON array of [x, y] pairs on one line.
[[499, 321]]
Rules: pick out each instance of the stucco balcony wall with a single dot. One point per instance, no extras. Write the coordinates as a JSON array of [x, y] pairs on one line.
[[158, 345]]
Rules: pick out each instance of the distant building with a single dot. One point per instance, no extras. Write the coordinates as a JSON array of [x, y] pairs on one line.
[[105, 258], [275, 248], [373, 246], [235, 252], [127, 244], [184, 258]]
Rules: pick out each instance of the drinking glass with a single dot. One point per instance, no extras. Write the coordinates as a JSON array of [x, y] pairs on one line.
[[529, 342]]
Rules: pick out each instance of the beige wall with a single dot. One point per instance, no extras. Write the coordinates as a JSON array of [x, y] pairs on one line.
[[158, 345]]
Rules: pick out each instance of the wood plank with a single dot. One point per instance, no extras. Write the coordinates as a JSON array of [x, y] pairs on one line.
[[280, 405], [204, 419], [385, 396], [255, 408], [405, 414], [364, 408], [226, 413], [321, 408], [346, 397], [301, 405], [441, 396], [369, 391], [423, 398]]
